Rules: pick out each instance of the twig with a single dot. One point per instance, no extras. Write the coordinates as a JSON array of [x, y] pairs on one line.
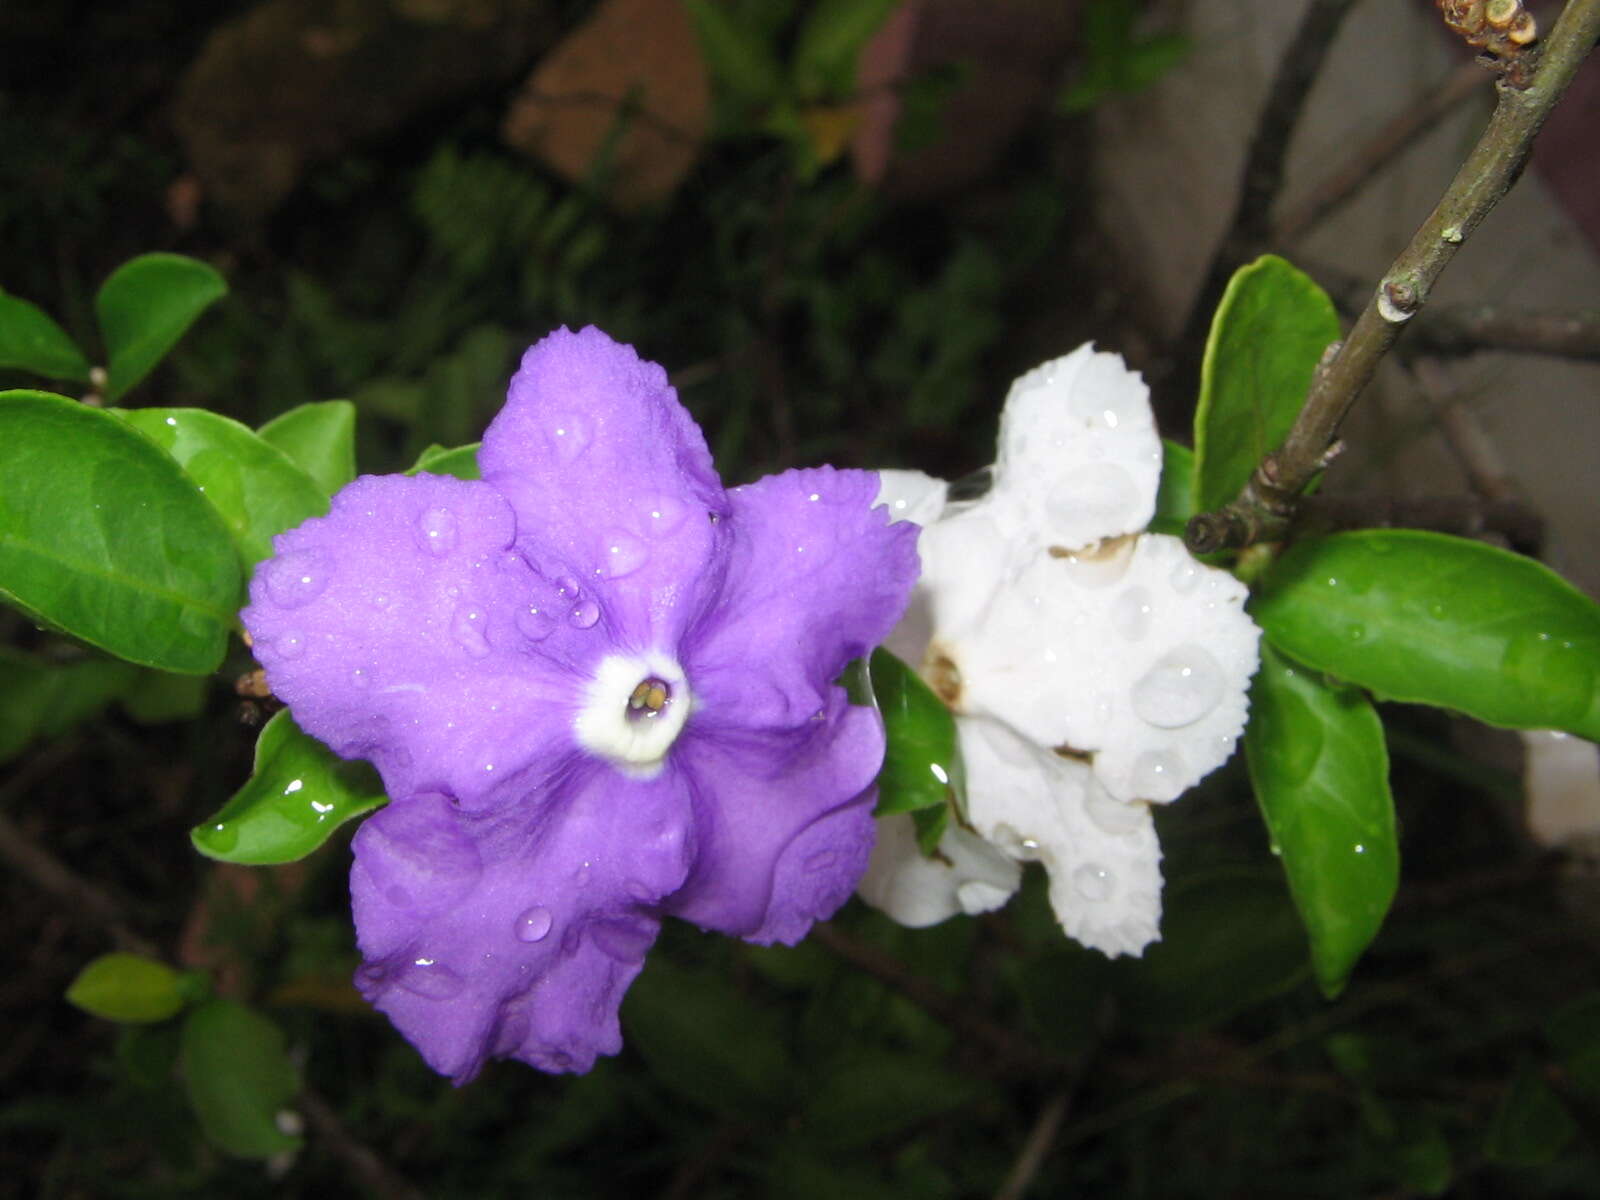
[[1377, 152], [1036, 1149], [365, 1168], [1262, 175], [1263, 508], [1474, 449]]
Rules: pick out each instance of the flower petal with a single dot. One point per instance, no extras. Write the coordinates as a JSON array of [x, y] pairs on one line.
[[970, 875], [611, 483], [785, 822], [404, 629], [516, 937], [1102, 855]]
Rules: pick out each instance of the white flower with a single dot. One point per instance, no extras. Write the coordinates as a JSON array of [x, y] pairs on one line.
[[1093, 669]]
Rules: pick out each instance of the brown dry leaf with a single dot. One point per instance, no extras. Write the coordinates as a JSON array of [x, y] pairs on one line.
[[632, 72]]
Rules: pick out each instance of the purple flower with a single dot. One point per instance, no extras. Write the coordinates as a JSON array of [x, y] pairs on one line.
[[599, 689]]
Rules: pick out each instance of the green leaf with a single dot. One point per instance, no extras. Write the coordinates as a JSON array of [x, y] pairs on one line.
[[239, 1077], [31, 341], [103, 536], [40, 699], [1175, 498], [1266, 339], [144, 307], [462, 462], [1531, 1126], [1321, 775], [931, 824], [922, 765], [298, 794], [830, 43], [320, 439], [1431, 619], [254, 487], [740, 60], [127, 988], [157, 697], [1229, 940]]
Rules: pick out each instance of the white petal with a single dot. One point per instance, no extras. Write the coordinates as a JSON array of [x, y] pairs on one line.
[[918, 891], [1102, 855], [911, 496], [1141, 656], [1079, 456], [1562, 775]]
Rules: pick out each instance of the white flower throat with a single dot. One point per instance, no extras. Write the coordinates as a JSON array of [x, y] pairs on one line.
[[633, 710]]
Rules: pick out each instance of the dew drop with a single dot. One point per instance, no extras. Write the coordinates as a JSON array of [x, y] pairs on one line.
[[663, 514], [584, 614], [360, 678], [222, 837], [428, 979], [1437, 611], [436, 531], [820, 861], [1184, 577], [534, 925], [624, 554], [296, 579], [467, 628], [569, 437], [1111, 815], [567, 588], [1183, 686], [1157, 775], [1131, 614], [625, 941], [290, 645], [1355, 633], [1093, 882], [535, 623]]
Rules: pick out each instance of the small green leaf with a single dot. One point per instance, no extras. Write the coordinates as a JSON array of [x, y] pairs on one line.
[[1431, 619], [1175, 498], [103, 536], [254, 486], [144, 307], [239, 1077], [1266, 339], [931, 824], [1531, 1125], [298, 794], [320, 439], [1229, 940], [40, 699], [127, 988], [922, 765], [1321, 776], [462, 462], [31, 341], [830, 43], [740, 60]]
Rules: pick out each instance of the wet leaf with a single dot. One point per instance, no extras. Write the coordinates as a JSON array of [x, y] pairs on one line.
[[318, 438], [144, 307], [31, 341], [1175, 499], [922, 765], [462, 461]]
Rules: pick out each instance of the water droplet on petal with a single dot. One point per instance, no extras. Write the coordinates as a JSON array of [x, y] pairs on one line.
[[1095, 501], [820, 861], [1184, 577], [534, 925], [535, 623], [1093, 881], [436, 531], [1183, 686], [569, 437], [1111, 815], [430, 979], [624, 554], [1157, 775], [663, 514], [360, 678], [567, 588], [297, 578], [625, 941], [584, 614], [467, 628], [1131, 614], [289, 645]]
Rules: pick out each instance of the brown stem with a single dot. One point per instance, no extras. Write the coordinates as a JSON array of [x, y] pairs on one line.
[[1261, 511]]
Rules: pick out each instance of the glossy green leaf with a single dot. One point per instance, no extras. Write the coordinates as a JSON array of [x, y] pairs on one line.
[[462, 461], [1266, 339], [830, 42], [239, 1078], [1175, 498], [31, 341], [1531, 1125], [254, 486], [922, 765], [320, 439], [144, 307], [128, 988], [298, 794], [1321, 775], [1431, 619], [930, 825], [103, 536], [1229, 940], [41, 699]]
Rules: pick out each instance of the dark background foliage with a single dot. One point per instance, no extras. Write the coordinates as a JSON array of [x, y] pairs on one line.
[[806, 317]]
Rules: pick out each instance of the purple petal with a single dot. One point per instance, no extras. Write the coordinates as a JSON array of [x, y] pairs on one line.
[[785, 823], [516, 936], [403, 628], [611, 482], [816, 577]]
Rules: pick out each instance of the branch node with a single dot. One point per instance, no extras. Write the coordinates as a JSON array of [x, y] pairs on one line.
[[1398, 300]]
